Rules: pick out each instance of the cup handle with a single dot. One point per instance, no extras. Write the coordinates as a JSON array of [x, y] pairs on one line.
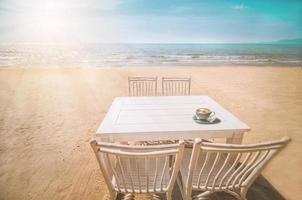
[[212, 114]]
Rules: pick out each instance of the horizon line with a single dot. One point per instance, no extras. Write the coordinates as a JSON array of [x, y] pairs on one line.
[[129, 42], [74, 43]]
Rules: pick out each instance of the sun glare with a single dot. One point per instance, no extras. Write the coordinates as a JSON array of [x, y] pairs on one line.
[[65, 21], [45, 21]]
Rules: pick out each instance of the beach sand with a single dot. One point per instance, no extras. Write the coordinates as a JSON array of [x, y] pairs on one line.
[[48, 117]]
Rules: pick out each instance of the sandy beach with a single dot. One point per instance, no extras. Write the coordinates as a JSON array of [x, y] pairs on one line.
[[48, 117]]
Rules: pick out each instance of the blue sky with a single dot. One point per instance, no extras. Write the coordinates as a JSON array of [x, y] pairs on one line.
[[155, 21]]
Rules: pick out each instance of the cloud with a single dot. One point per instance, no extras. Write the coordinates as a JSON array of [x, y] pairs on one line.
[[239, 7]]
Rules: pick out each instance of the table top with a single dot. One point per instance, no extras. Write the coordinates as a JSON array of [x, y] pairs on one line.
[[165, 118]]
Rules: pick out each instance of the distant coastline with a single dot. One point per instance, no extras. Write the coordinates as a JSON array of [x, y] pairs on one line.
[[297, 41]]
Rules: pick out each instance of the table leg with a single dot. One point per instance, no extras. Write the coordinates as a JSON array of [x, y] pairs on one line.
[[235, 139]]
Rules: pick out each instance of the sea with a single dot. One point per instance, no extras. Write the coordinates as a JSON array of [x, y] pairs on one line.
[[140, 55]]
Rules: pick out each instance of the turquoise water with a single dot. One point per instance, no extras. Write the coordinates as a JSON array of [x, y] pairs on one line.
[[123, 55]]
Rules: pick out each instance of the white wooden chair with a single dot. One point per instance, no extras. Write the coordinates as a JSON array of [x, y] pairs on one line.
[[134, 170], [231, 168], [173, 86], [142, 86]]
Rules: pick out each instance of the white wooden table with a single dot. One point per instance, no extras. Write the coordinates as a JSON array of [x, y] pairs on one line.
[[166, 118]]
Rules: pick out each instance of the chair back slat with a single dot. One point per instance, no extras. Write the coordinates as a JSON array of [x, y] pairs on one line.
[[130, 174], [252, 160], [227, 173], [108, 163], [147, 174], [203, 166], [177, 162], [114, 173], [142, 86], [175, 86], [138, 176], [121, 175], [221, 170], [212, 169], [241, 166], [156, 175], [163, 173], [139, 169], [225, 166], [251, 168]]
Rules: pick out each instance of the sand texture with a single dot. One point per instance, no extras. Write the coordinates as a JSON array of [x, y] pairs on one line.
[[48, 117]]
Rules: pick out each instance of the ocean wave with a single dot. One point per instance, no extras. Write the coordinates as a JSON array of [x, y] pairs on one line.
[[161, 54]]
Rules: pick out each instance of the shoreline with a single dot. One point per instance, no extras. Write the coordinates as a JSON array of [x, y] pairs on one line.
[[154, 66]]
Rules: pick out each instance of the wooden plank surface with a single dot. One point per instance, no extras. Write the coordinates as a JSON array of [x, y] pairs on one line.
[[169, 117]]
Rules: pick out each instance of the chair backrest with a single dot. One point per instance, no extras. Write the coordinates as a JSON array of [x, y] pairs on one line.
[[139, 169], [173, 86], [216, 166], [142, 86]]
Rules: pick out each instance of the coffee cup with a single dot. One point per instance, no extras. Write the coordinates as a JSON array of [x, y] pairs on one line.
[[204, 113]]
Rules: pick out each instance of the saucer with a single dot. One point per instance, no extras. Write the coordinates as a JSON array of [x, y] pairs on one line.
[[213, 120]]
